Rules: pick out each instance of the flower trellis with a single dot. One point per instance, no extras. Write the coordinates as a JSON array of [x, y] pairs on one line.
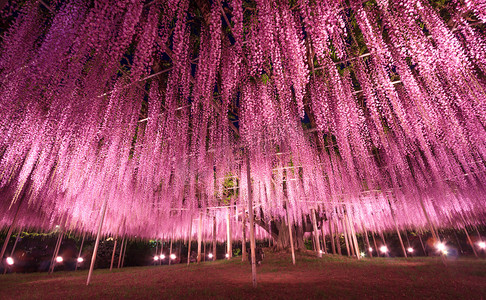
[[375, 109]]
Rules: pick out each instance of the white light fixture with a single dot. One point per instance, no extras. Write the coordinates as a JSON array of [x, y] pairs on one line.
[[410, 250], [210, 255], [59, 259], [162, 256], [227, 255], [482, 245], [80, 259], [441, 247], [320, 251], [172, 256], [362, 254], [156, 257], [10, 261], [383, 249], [370, 249]]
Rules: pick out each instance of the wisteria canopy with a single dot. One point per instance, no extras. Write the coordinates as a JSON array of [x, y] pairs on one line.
[[375, 110]]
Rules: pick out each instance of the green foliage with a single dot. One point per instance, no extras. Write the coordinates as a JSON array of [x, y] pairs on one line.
[[236, 252], [230, 189], [308, 244], [265, 78]]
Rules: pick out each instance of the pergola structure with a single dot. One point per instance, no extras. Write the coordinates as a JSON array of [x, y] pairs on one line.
[[152, 118]]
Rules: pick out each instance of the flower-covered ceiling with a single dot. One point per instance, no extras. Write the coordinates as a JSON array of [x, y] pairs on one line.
[[376, 109]]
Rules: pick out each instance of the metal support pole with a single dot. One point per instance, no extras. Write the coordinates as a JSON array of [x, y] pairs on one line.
[[199, 237], [229, 248], [56, 252], [214, 238], [120, 254], [189, 243], [290, 230], [470, 242], [243, 238], [316, 233], [98, 235], [80, 251], [113, 254], [252, 223], [13, 248]]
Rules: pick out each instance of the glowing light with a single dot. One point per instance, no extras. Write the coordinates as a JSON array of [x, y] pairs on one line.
[[59, 259], [172, 256], [482, 245], [10, 261], [320, 251], [441, 247], [210, 255], [80, 259], [362, 254], [162, 256], [444, 252], [410, 249], [370, 249], [156, 257], [227, 255], [383, 249]]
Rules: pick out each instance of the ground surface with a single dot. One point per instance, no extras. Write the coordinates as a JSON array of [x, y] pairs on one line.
[[330, 277]]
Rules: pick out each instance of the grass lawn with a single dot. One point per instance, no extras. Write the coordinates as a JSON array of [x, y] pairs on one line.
[[311, 278]]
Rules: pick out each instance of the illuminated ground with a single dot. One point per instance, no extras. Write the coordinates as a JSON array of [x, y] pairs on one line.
[[331, 277]]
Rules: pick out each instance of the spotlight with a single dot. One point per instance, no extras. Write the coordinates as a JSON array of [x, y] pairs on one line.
[[172, 256], [156, 257], [383, 249], [362, 254], [162, 256], [59, 259], [482, 245], [441, 247], [210, 255], [320, 251], [227, 255], [410, 250], [10, 261], [80, 259], [370, 249]]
